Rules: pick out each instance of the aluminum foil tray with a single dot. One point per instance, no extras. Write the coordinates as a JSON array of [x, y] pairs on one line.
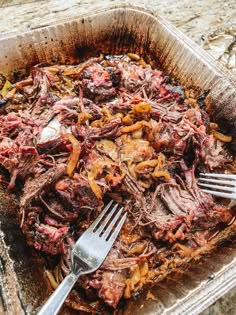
[[23, 286]]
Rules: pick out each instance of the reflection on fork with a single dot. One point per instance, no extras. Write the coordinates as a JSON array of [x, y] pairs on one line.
[[221, 185]]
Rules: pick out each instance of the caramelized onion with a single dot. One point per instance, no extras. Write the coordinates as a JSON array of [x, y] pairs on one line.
[[53, 69], [164, 174], [94, 186], [51, 279], [142, 108], [70, 71], [127, 292], [138, 278], [214, 125], [106, 112], [145, 164], [74, 157], [6, 88], [128, 120], [143, 63], [134, 57], [83, 117], [21, 84], [161, 162], [138, 125], [143, 267], [132, 281], [114, 180], [218, 135], [135, 275], [138, 248], [232, 167]]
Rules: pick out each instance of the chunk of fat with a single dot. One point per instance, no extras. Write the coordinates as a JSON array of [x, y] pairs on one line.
[[52, 131]]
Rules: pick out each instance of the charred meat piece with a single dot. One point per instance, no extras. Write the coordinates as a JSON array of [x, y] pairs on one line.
[[112, 287], [77, 194], [34, 186], [42, 236], [98, 83]]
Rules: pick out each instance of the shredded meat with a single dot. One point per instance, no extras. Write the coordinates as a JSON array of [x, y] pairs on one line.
[[213, 153], [72, 137], [112, 287]]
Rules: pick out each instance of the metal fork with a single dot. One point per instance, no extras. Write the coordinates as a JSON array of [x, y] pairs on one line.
[[221, 185], [88, 254]]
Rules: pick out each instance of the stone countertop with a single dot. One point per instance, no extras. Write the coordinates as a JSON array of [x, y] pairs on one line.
[[194, 18]]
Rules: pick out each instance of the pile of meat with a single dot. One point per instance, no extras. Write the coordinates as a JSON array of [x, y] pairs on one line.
[[74, 136]]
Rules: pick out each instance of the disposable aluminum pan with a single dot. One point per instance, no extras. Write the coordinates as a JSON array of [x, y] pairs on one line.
[[23, 286]]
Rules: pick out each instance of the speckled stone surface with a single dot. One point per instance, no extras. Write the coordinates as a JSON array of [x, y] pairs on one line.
[[194, 18]]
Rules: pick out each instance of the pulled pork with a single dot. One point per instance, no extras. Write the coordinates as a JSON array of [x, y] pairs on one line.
[[112, 127]]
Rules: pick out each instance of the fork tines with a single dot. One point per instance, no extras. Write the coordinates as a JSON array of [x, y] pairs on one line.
[[222, 185], [111, 218]]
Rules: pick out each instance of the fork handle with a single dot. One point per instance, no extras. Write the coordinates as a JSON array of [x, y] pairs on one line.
[[54, 303]]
